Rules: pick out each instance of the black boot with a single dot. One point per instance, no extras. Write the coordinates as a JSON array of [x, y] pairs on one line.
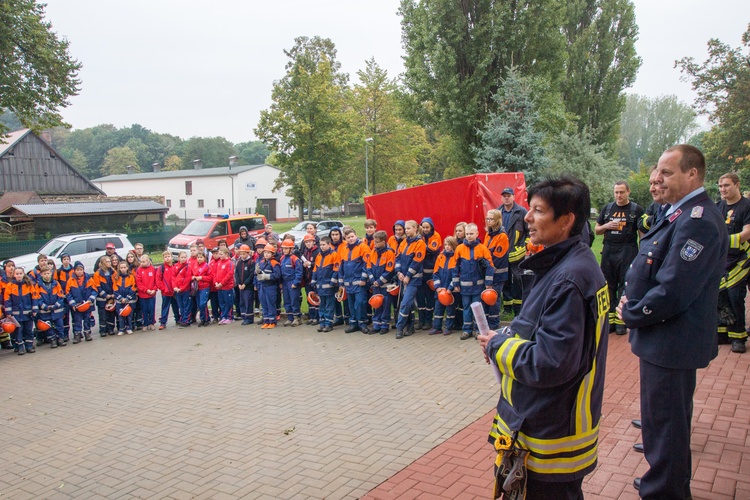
[[87, 335], [76, 338], [53, 343]]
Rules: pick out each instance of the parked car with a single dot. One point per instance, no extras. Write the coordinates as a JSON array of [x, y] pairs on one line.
[[84, 247], [212, 227], [324, 228]]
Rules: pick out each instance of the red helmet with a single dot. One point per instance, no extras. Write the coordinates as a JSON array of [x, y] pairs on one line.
[[341, 294], [83, 306], [8, 326], [376, 301], [313, 298], [445, 297], [125, 311], [489, 297], [393, 289], [287, 244], [431, 284], [43, 326]]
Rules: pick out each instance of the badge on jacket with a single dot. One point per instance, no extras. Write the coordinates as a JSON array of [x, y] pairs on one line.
[[691, 250]]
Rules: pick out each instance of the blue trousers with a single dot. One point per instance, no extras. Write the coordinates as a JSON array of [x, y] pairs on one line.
[[81, 322], [407, 305], [183, 302], [57, 326], [493, 312], [468, 299], [213, 298], [246, 303], [268, 294], [24, 336], [168, 301], [148, 309], [357, 300], [66, 319], [226, 302], [666, 415], [327, 310], [292, 299], [381, 317], [203, 304], [425, 301], [450, 316], [106, 319], [125, 322], [312, 311]]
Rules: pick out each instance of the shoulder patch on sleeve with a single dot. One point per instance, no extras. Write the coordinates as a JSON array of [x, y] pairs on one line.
[[697, 212], [691, 250]]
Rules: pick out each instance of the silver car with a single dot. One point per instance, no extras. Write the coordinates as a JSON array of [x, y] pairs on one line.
[[323, 229]]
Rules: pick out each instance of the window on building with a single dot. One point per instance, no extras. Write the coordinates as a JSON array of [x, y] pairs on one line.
[[169, 203], [182, 203], [200, 203], [188, 188], [220, 203]]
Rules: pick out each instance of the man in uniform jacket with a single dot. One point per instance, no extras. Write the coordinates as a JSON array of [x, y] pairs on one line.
[[518, 231], [670, 306]]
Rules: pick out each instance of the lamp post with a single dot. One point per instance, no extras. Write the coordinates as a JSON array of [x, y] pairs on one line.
[[367, 174]]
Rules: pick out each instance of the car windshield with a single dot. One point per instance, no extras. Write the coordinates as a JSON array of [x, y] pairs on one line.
[[300, 226], [51, 248], [198, 228]]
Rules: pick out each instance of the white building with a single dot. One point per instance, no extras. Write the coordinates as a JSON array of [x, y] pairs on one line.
[[192, 193]]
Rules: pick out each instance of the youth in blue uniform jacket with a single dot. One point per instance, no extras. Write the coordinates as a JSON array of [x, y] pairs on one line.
[[291, 283], [670, 306], [353, 277]]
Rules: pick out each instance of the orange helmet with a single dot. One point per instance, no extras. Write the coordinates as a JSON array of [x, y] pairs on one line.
[[261, 242], [376, 301], [43, 326], [341, 294], [393, 289], [313, 298], [110, 306], [287, 244], [269, 248], [445, 297], [125, 311], [83, 306], [244, 248], [489, 297], [308, 237], [8, 326], [431, 284]]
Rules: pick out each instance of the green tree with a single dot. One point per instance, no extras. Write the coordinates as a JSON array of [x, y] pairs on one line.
[[118, 159], [510, 141], [252, 152], [602, 62], [212, 151], [577, 154], [649, 126], [396, 143], [9, 121], [722, 83], [172, 162], [308, 126], [37, 74], [457, 52]]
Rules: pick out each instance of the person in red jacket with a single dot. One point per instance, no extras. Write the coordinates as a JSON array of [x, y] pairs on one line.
[[203, 275], [145, 282], [181, 277], [224, 280], [213, 294], [164, 284]]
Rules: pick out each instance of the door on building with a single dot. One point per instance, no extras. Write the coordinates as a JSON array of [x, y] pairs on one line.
[[269, 208]]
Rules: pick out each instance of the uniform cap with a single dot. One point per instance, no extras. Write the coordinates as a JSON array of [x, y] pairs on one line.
[[507, 191]]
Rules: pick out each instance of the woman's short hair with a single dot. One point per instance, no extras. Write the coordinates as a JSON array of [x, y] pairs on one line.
[[565, 194]]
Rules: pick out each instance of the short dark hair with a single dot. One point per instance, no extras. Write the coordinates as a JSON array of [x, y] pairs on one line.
[[326, 240], [690, 157], [623, 183], [565, 194]]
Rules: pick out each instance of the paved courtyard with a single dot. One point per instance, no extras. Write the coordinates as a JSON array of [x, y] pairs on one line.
[[232, 412]]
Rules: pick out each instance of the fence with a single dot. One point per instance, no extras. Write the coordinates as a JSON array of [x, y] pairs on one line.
[[153, 241]]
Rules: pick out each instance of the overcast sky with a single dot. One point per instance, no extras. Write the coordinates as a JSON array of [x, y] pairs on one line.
[[197, 68]]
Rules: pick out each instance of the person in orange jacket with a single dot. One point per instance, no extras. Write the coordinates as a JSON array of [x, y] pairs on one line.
[[497, 242], [21, 304], [353, 277], [445, 268], [425, 295], [101, 281], [409, 259], [381, 270], [78, 290], [51, 307], [126, 294], [474, 273]]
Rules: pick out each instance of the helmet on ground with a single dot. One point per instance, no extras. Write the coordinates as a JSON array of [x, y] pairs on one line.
[[489, 297], [376, 301], [244, 248], [308, 237], [341, 294], [83, 306], [445, 297], [431, 284], [287, 244], [43, 326], [125, 311], [313, 299], [393, 289], [269, 248], [8, 326]]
